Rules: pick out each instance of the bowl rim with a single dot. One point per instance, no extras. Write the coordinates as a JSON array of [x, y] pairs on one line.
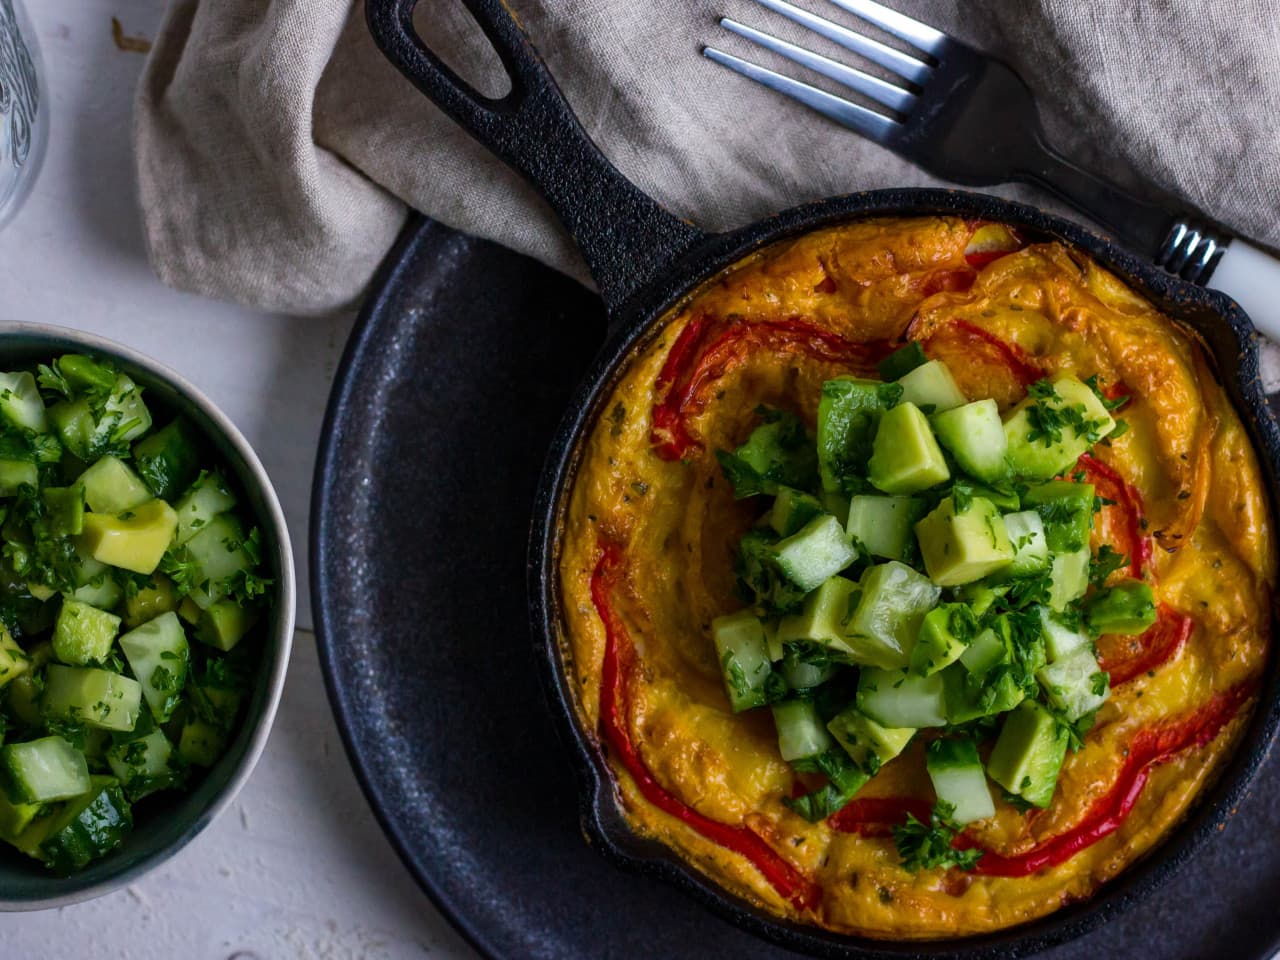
[[286, 598]]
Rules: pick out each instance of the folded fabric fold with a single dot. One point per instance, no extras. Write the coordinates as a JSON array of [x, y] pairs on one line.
[[278, 152]]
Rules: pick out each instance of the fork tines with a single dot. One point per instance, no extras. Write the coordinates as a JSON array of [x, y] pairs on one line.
[[863, 120]]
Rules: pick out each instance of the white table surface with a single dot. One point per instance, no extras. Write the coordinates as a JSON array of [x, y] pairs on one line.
[[296, 868]]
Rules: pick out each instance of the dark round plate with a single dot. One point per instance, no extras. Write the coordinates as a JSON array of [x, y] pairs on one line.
[[451, 387]]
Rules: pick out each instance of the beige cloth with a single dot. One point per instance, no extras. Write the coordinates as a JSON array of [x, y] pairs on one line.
[[277, 150]]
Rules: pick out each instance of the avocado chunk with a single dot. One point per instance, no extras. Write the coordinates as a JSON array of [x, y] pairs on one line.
[[897, 698], [1068, 578], [945, 633], [1066, 508], [931, 386], [824, 619], [817, 551], [1049, 430], [111, 487], [848, 413], [968, 696], [83, 634], [778, 452], [1127, 607], [963, 546], [169, 459], [886, 621], [63, 510], [14, 474], [1028, 754], [1075, 683], [974, 434], [743, 656], [134, 540], [905, 457], [867, 743], [14, 661], [792, 509], [1030, 547], [958, 779], [223, 624], [883, 525]]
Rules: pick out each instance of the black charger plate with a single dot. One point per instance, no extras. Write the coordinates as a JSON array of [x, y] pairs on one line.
[[441, 414]]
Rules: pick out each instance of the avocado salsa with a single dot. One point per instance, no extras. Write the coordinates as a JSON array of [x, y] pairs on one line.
[[968, 610], [915, 579], [129, 577]]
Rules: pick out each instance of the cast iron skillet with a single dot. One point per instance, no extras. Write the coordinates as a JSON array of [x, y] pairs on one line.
[[644, 260]]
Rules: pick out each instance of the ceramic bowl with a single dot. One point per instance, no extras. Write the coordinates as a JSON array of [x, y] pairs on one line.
[[167, 822]]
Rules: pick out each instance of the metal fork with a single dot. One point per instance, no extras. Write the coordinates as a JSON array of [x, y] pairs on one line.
[[969, 118]]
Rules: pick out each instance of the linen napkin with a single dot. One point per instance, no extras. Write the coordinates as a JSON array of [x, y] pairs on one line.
[[278, 152]]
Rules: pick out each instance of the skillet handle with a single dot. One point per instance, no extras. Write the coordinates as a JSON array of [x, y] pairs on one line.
[[627, 239]]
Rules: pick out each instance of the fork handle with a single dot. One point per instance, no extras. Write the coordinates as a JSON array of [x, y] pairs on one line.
[[1191, 250]]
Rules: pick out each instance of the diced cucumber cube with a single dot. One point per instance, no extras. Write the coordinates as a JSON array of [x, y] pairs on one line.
[[158, 654], [134, 540], [44, 770], [1028, 753], [1025, 530], [1068, 578], [15, 474], [931, 385], [975, 436], [905, 457], [885, 525], [102, 591], [958, 779], [14, 661], [1060, 640], [989, 649], [209, 497], [963, 546], [86, 828], [818, 551], [1067, 511], [23, 691], [744, 660], [64, 510], [145, 765], [83, 633], [1075, 684], [1082, 420], [897, 698], [169, 459], [847, 416], [968, 696], [806, 665], [867, 743], [216, 553], [20, 402], [824, 619], [801, 732], [73, 422], [792, 509], [111, 487], [86, 375], [97, 698], [886, 622], [945, 633], [125, 416]]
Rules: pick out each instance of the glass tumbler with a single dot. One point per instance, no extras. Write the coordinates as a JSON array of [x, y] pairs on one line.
[[24, 121]]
